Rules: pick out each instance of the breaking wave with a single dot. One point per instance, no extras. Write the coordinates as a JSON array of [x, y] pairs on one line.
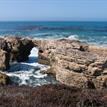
[[73, 37]]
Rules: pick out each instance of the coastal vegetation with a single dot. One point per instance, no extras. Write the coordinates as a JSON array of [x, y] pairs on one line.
[[51, 96]]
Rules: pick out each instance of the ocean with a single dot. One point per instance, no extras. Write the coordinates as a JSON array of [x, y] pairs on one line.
[[91, 32], [29, 72]]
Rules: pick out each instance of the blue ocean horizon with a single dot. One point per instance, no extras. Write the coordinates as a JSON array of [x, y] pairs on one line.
[[94, 32]]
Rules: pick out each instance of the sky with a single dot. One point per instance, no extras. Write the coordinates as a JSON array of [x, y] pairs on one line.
[[53, 10]]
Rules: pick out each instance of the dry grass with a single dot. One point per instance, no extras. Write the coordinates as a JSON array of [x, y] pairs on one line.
[[51, 96]]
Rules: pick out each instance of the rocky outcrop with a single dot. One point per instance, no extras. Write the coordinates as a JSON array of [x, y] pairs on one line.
[[4, 60], [14, 49], [75, 63], [5, 49], [21, 48], [6, 46]]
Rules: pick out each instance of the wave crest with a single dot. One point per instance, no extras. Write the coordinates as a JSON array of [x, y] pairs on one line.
[[73, 37]]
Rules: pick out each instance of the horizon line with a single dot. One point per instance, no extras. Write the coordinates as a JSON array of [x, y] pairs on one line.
[[53, 20]]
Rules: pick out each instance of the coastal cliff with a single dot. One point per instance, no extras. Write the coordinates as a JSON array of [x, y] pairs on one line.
[[72, 62]]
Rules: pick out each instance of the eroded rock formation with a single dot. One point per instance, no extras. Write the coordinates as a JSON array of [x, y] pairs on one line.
[[75, 63], [14, 49], [21, 48]]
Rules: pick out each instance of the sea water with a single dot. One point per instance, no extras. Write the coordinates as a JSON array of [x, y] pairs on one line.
[[91, 32]]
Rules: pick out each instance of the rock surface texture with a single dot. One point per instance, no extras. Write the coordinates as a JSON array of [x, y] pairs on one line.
[[74, 63], [14, 49], [21, 48], [5, 49]]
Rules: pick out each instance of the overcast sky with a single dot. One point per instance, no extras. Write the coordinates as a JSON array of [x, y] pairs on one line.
[[61, 10]]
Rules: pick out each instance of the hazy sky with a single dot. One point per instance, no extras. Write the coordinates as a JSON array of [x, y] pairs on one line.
[[84, 10]]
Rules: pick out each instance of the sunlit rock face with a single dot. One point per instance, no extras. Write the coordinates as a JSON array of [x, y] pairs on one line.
[[75, 63], [5, 49], [4, 60]]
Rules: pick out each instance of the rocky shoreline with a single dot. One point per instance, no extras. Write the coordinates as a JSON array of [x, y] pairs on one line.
[[75, 63], [72, 62]]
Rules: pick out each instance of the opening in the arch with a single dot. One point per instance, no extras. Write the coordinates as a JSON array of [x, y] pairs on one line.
[[29, 72]]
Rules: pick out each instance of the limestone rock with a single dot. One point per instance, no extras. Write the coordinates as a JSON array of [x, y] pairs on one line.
[[71, 78], [21, 48], [73, 62], [100, 82], [4, 60], [14, 49]]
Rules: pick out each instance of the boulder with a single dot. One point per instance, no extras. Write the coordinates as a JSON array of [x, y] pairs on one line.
[[4, 79], [71, 78], [101, 81]]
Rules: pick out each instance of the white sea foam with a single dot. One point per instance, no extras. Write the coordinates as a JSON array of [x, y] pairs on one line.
[[29, 73], [34, 52], [73, 37]]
